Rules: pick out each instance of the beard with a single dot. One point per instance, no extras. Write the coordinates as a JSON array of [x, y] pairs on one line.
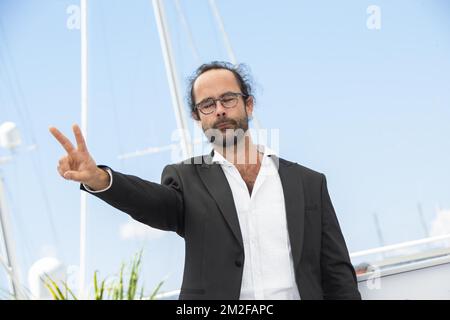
[[230, 136]]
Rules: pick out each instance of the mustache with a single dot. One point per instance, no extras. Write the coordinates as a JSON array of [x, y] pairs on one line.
[[230, 121]]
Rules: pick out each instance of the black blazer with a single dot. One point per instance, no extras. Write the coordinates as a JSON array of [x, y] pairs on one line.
[[194, 199]]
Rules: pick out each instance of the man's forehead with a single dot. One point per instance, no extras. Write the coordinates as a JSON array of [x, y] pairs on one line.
[[214, 83]]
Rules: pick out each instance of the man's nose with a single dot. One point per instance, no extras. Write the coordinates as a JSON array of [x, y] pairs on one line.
[[220, 109]]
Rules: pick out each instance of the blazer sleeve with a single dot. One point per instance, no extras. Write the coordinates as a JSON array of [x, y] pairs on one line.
[[338, 275], [157, 205]]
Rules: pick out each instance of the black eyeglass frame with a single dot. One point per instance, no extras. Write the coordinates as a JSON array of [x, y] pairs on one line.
[[221, 98]]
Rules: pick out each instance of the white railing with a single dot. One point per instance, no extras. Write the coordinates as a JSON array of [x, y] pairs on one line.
[[398, 246]]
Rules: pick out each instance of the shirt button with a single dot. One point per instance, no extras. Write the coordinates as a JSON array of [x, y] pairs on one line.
[[238, 263]]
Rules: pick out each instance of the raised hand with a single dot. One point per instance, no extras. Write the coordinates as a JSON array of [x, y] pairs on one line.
[[78, 165]]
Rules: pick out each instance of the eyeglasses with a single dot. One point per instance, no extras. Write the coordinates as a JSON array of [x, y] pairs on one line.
[[228, 100]]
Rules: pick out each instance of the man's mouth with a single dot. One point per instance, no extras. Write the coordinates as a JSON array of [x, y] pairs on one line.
[[224, 125]]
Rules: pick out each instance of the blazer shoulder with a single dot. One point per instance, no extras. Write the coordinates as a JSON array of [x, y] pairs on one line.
[[189, 164], [306, 172], [310, 173], [312, 182]]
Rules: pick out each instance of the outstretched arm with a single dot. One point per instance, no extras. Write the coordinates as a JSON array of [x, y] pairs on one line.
[[157, 205]]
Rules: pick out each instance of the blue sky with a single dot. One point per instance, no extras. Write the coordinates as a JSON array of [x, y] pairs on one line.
[[369, 108]]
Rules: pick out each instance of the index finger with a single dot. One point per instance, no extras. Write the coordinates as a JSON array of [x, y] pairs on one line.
[[67, 145], [79, 137]]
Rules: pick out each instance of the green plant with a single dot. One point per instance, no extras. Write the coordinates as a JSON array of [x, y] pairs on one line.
[[56, 291], [119, 289]]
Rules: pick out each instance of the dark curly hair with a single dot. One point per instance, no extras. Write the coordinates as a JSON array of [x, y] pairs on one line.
[[240, 71]]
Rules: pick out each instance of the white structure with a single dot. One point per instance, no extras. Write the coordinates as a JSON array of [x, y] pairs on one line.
[[413, 280], [9, 135], [39, 271], [412, 270]]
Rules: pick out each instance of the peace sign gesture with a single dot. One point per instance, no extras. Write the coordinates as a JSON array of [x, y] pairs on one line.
[[78, 165]]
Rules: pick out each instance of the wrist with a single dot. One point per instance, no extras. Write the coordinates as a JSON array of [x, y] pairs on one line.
[[101, 180]]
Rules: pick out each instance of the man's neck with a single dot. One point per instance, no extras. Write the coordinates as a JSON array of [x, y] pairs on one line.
[[243, 153]]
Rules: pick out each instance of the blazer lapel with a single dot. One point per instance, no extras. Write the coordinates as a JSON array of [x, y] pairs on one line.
[[217, 185], [295, 205]]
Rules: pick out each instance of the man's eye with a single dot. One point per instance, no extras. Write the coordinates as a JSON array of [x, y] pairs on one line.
[[206, 105]]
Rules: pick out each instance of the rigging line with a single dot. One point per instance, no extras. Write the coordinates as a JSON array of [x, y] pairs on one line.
[[153, 130], [6, 294], [3, 97], [219, 48], [15, 88], [9, 86], [188, 31], [20, 225], [2, 103], [3, 253], [133, 80], [27, 120], [172, 77], [132, 105], [5, 264], [227, 41], [40, 179], [229, 48], [177, 46], [110, 81]]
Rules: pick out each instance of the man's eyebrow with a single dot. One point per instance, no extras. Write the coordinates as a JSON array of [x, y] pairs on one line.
[[203, 100], [223, 94], [228, 92]]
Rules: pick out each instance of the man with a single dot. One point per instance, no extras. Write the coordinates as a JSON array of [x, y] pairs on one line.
[[255, 226]]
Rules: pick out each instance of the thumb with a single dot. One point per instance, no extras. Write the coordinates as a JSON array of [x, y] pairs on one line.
[[74, 175]]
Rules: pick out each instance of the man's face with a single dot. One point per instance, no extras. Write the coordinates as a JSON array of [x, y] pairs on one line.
[[223, 123]]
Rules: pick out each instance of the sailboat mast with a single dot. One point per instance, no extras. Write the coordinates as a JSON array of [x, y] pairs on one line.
[[84, 118], [172, 77], [11, 265]]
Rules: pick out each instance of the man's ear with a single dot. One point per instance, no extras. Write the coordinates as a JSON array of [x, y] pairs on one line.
[[195, 116], [249, 105]]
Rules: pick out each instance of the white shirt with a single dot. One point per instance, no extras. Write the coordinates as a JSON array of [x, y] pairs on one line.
[[268, 264]]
